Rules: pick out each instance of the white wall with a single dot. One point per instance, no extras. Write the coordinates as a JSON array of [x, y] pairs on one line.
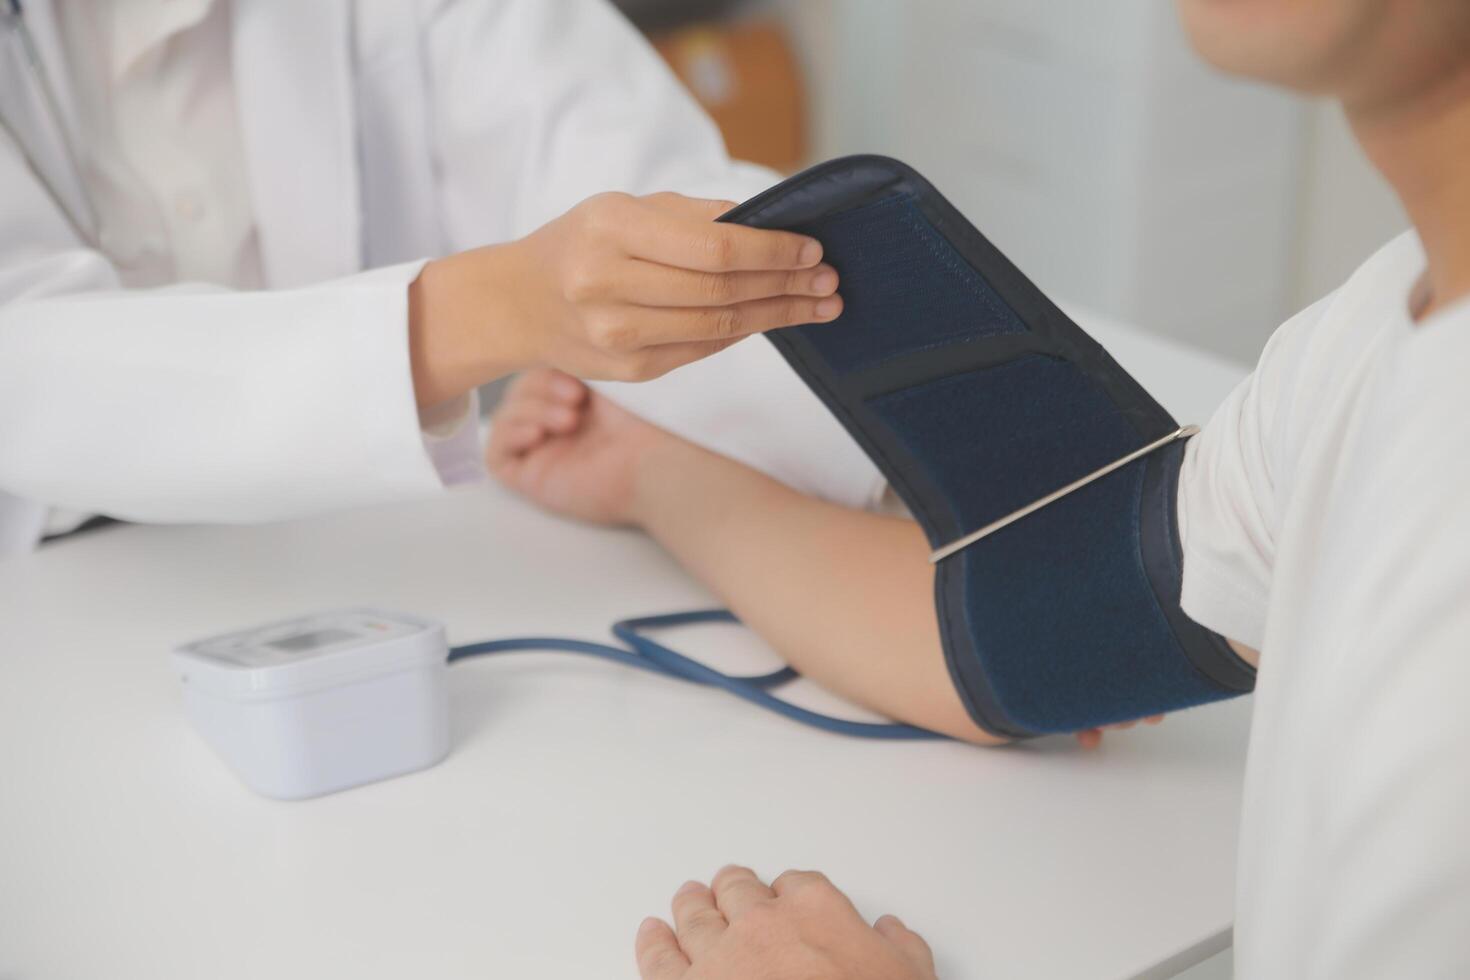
[[1347, 209], [1088, 142]]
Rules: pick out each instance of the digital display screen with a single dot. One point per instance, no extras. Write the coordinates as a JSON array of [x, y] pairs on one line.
[[302, 642]]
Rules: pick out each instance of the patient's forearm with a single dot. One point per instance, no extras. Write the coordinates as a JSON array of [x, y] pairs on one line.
[[845, 596]]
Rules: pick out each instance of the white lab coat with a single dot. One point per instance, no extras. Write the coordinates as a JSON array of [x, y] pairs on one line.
[[377, 133]]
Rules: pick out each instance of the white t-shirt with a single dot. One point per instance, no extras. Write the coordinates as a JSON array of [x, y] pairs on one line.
[[1326, 522]]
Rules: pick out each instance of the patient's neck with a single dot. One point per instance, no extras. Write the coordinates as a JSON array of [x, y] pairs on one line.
[[1422, 145]]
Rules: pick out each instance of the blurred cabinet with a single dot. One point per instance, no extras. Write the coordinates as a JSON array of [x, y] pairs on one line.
[[746, 77], [1087, 141]]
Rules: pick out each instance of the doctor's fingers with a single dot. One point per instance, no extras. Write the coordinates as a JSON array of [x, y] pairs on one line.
[[650, 284], [655, 362], [627, 329], [699, 208], [692, 241]]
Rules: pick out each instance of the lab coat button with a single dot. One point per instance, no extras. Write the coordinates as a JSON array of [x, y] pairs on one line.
[[117, 245], [189, 206]]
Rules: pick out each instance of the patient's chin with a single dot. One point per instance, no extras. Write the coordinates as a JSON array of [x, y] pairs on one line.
[[1312, 46]]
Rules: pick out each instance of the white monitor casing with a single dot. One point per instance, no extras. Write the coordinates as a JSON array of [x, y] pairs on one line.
[[321, 703]]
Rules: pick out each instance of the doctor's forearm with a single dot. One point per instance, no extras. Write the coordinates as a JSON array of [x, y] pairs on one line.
[[845, 596], [450, 352]]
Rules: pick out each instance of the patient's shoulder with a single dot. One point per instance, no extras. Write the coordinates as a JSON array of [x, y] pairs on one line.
[[1321, 362]]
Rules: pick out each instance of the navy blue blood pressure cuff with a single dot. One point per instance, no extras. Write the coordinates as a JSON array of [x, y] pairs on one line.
[[977, 397]]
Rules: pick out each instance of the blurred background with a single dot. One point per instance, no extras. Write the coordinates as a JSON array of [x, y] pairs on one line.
[[1083, 138]]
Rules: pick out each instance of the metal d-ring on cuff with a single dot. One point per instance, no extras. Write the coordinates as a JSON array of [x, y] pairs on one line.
[[1183, 432]]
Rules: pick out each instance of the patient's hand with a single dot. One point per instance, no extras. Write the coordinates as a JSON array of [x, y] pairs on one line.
[[799, 927], [569, 449]]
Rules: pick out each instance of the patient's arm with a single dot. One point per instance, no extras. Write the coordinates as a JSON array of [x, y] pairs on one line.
[[845, 596]]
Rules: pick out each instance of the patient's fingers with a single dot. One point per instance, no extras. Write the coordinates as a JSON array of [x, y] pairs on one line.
[[737, 890], [555, 416], [697, 921], [519, 436], [554, 399], [547, 384], [1091, 738], [524, 423], [910, 943], [531, 412], [659, 955]]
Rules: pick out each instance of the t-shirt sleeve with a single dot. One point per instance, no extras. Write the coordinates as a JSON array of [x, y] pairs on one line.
[[1229, 490]]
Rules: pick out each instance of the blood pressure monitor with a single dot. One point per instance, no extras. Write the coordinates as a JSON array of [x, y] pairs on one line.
[[311, 705]]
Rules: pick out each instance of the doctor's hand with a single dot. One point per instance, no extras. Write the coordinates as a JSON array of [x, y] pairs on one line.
[[621, 288], [800, 927]]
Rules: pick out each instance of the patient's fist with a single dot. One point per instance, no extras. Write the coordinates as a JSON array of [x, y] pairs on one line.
[[567, 448]]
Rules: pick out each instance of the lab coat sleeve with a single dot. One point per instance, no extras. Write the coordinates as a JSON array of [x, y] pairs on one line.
[[195, 403]]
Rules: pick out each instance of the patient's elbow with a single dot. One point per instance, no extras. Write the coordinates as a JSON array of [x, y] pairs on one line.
[[947, 715]]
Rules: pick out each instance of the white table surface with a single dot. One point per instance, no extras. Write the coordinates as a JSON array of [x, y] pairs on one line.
[[577, 795]]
